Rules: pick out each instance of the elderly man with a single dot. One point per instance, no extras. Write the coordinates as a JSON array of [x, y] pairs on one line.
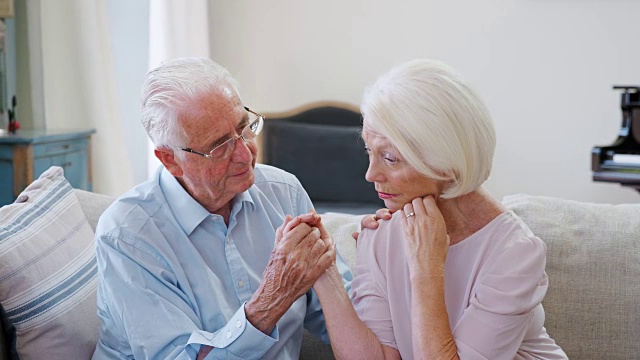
[[187, 263]]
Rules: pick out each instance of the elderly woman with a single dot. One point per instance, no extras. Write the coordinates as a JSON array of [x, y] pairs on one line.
[[453, 274]]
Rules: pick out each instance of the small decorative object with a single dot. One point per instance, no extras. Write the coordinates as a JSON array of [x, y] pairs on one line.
[[13, 122]]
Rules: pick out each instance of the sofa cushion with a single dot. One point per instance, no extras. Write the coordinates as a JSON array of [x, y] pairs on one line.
[[593, 263], [48, 271], [93, 205]]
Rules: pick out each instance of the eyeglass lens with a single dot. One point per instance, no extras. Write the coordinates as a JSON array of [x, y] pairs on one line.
[[248, 133]]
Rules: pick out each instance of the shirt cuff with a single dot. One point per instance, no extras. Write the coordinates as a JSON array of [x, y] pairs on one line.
[[238, 336]]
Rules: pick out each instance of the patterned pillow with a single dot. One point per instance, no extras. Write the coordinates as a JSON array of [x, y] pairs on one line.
[[48, 271]]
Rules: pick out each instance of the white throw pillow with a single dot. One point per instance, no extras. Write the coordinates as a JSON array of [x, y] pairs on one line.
[[48, 271], [341, 226]]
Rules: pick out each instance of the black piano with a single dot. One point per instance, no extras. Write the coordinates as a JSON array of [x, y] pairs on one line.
[[620, 161]]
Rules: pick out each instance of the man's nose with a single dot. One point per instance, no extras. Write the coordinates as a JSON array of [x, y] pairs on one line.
[[241, 151]]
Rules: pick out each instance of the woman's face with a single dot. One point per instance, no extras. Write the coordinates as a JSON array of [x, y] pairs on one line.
[[396, 182]]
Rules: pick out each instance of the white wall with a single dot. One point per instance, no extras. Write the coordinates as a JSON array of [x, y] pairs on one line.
[[544, 67]]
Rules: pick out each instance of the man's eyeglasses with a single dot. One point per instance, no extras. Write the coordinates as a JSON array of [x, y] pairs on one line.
[[248, 134]]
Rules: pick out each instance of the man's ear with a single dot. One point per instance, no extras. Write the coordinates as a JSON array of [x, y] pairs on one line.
[[167, 159]]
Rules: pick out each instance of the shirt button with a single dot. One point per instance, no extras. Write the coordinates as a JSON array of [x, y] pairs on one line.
[[241, 283], [228, 334], [238, 324]]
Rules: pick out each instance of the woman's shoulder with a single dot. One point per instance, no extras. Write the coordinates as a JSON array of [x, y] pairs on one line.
[[383, 245], [380, 259], [505, 233], [388, 232], [514, 267], [514, 237]]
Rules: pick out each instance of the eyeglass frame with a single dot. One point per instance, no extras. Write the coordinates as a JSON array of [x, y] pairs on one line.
[[233, 139]]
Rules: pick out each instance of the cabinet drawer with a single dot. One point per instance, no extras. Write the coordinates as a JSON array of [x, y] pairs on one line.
[[75, 169], [59, 147], [26, 155], [42, 164], [74, 165]]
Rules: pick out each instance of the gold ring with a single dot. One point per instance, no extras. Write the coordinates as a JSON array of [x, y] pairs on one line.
[[410, 214]]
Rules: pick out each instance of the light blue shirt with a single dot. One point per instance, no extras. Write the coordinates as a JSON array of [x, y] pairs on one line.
[[173, 277]]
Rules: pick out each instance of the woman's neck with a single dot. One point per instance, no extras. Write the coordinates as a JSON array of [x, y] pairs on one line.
[[467, 214]]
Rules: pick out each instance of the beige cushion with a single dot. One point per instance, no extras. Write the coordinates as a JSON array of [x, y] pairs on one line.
[[48, 271], [93, 205], [593, 262]]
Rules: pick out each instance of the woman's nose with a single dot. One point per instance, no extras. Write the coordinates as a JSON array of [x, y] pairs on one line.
[[372, 174]]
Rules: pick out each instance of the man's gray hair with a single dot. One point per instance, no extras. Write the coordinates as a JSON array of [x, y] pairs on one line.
[[174, 87], [436, 121]]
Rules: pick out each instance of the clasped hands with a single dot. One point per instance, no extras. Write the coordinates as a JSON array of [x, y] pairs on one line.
[[302, 252]]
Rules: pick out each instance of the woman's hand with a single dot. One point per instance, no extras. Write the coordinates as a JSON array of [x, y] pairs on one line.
[[371, 221], [314, 220], [425, 235]]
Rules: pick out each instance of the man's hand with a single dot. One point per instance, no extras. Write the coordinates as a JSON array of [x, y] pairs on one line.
[[299, 257], [371, 221]]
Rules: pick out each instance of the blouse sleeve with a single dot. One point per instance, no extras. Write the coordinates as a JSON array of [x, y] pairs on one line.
[[506, 302], [370, 300]]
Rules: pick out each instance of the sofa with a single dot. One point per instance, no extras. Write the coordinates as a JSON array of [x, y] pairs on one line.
[[327, 135], [46, 244]]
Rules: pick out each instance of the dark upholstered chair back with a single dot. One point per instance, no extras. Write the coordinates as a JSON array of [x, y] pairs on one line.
[[321, 145]]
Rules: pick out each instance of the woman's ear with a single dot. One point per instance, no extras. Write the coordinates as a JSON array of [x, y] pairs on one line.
[[168, 159]]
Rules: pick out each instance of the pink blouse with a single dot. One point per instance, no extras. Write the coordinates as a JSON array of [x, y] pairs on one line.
[[494, 285]]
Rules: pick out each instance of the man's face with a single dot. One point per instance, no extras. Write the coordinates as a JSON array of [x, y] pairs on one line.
[[213, 119]]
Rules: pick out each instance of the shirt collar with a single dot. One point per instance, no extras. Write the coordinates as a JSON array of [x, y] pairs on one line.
[[239, 201], [187, 211]]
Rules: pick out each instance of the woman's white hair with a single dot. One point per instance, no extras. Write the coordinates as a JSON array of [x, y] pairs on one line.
[[174, 87], [436, 121]]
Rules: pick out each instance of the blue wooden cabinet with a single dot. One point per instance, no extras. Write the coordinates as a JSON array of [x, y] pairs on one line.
[[27, 154]]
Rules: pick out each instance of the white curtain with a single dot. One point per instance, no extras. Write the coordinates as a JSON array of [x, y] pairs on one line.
[[176, 29], [78, 82], [89, 62]]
